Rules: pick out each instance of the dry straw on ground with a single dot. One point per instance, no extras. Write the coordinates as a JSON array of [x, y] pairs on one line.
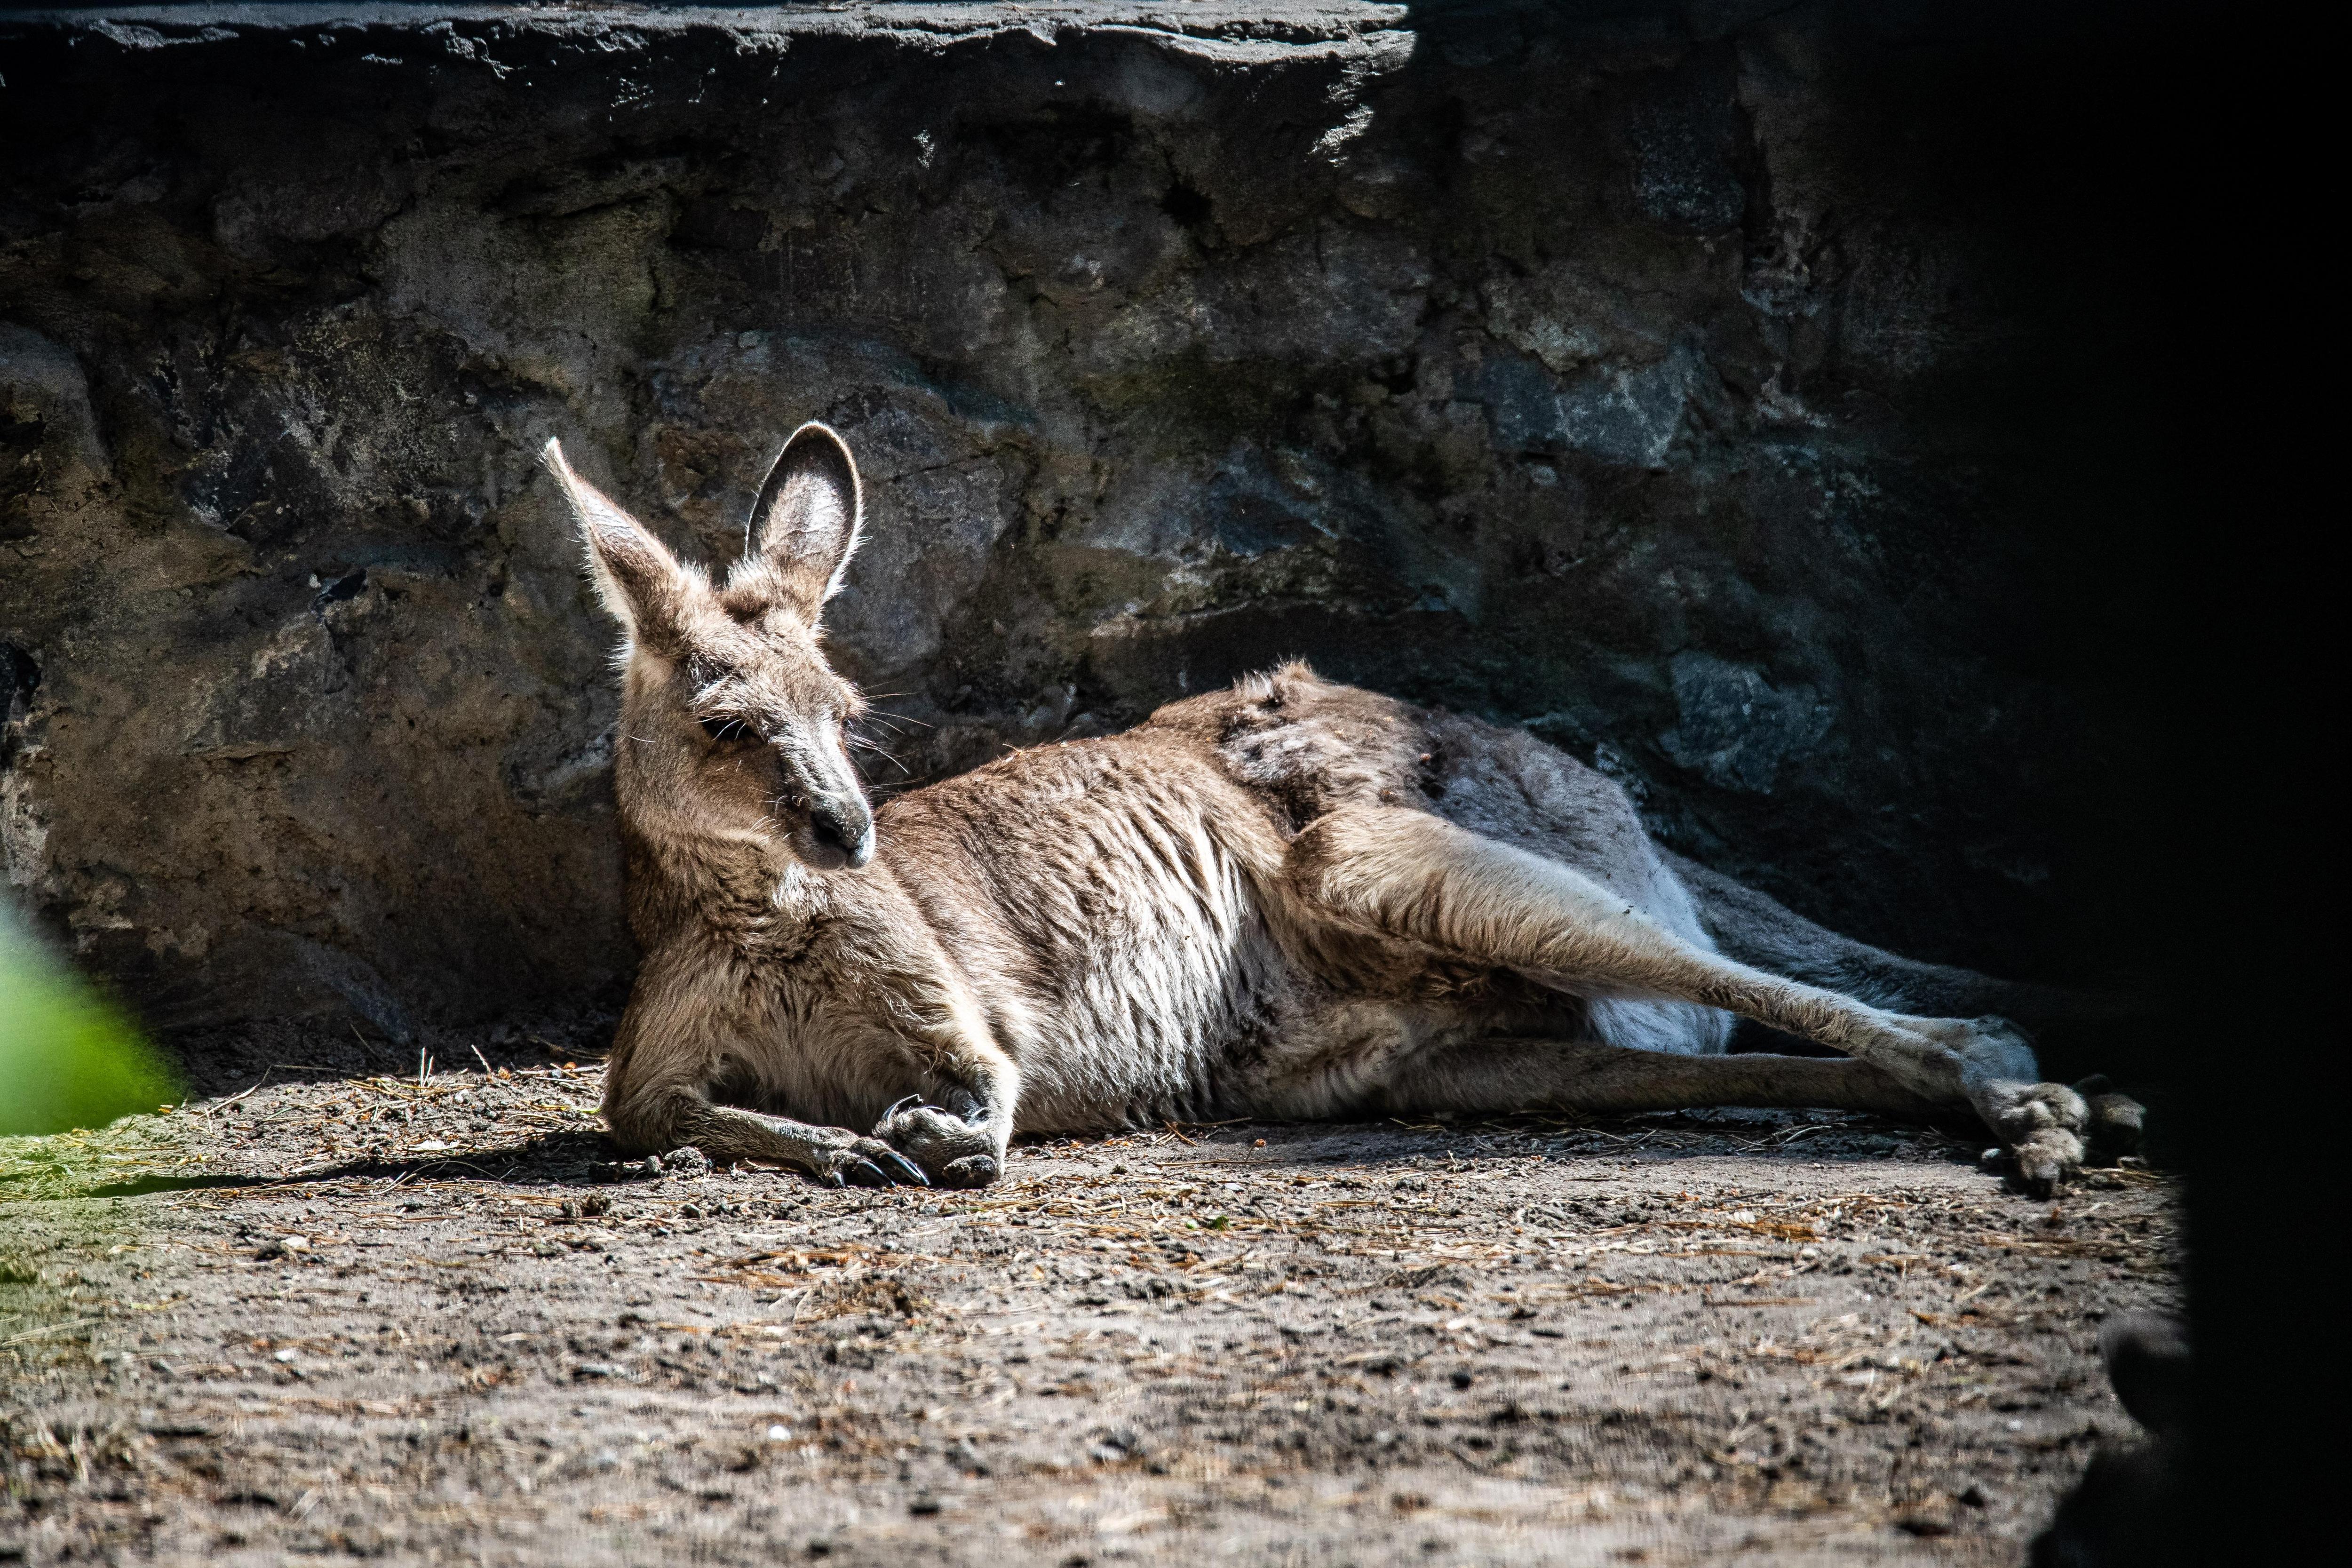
[[438, 1319]]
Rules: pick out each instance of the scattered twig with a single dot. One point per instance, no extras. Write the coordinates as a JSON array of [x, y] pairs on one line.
[[224, 1104]]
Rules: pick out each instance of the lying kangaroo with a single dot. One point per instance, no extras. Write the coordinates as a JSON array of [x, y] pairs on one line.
[[1291, 900]]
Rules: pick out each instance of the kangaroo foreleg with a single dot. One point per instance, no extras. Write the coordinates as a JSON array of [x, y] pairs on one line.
[[677, 1060], [728, 1133], [1408, 874]]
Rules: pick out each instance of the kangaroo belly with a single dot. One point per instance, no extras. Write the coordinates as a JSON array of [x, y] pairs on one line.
[[1098, 899], [1162, 989]]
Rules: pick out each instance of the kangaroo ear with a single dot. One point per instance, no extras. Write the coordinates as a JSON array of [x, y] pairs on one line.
[[636, 576], [803, 527]]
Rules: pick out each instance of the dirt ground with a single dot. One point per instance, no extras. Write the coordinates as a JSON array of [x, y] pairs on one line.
[[440, 1320]]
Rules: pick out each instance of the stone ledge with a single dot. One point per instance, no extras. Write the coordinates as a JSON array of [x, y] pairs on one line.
[[1604, 373], [1300, 22]]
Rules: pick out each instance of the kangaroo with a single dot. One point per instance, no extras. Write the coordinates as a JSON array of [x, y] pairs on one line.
[[1291, 900]]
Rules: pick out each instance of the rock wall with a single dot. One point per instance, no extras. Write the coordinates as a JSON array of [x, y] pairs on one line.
[[1746, 397]]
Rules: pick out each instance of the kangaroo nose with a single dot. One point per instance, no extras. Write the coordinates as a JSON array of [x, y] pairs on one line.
[[845, 827]]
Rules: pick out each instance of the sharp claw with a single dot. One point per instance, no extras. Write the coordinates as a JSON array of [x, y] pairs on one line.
[[867, 1174], [833, 1178], [904, 1168], [895, 1110]]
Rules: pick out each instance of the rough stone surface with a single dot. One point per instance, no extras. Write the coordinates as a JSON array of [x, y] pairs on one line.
[[1712, 388]]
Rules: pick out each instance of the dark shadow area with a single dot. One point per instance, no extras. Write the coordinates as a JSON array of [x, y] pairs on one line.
[[587, 1160], [221, 1061], [564, 1160]]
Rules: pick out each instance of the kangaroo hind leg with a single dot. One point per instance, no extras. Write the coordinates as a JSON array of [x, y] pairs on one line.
[[1499, 1075], [1752, 928], [1403, 873]]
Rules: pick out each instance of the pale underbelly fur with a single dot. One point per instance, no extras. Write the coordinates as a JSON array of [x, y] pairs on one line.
[[1203, 1014]]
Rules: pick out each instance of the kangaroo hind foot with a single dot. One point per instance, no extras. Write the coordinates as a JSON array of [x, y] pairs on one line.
[[1408, 874]]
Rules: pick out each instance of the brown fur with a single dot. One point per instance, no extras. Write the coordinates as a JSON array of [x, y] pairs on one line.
[[1290, 899]]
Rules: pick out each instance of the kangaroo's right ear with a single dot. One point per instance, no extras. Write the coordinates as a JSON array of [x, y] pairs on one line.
[[636, 576], [805, 525]]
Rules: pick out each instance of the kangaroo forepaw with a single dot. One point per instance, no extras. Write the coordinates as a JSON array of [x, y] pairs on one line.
[[951, 1151]]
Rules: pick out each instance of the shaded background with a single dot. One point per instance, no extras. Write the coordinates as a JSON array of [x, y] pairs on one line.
[[1759, 401]]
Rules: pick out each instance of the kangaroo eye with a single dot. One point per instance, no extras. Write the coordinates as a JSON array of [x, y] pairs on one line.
[[724, 730]]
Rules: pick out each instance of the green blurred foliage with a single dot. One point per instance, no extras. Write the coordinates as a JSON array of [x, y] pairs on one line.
[[66, 1059]]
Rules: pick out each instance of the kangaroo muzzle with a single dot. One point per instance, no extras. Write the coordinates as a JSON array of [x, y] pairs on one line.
[[840, 834]]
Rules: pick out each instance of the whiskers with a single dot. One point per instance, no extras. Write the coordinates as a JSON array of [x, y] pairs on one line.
[[861, 737], [860, 744], [891, 721], [776, 807], [870, 737]]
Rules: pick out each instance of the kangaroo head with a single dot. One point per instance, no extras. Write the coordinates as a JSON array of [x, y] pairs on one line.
[[732, 723]]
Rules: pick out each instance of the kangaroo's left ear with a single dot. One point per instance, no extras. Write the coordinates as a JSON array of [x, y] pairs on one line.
[[638, 579], [804, 526]]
